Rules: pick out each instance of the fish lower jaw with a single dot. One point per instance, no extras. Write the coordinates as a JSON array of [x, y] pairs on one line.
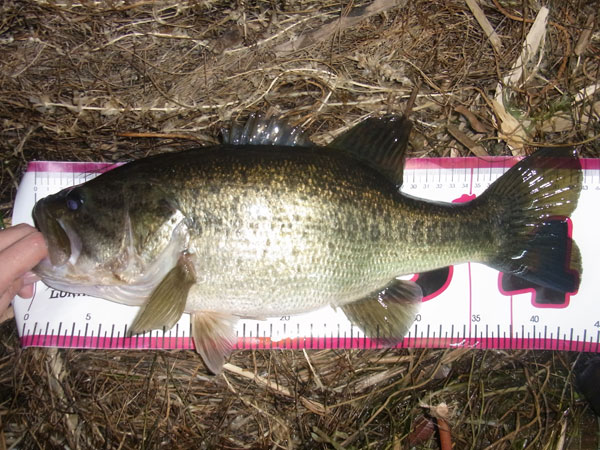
[[64, 279], [123, 294]]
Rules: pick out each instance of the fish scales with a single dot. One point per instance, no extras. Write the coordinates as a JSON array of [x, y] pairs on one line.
[[281, 230], [267, 225]]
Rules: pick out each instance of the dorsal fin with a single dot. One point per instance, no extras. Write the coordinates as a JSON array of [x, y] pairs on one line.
[[380, 142], [259, 130]]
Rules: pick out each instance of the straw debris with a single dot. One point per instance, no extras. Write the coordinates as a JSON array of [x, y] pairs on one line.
[[117, 80]]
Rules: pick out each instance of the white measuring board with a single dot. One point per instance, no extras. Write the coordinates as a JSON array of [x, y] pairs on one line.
[[469, 305]]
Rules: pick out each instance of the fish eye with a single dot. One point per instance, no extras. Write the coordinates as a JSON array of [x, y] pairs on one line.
[[74, 200]]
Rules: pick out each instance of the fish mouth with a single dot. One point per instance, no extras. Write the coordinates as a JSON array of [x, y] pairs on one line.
[[64, 245]]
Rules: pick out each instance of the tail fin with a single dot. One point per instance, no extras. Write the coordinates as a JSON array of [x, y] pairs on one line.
[[538, 190]]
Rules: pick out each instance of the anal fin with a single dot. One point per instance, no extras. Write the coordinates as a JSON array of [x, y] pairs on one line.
[[214, 336], [386, 315], [167, 302]]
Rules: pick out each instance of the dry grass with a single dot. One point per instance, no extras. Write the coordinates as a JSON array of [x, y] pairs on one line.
[[120, 80], [325, 399]]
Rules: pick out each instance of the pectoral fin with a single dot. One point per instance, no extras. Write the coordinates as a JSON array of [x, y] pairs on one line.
[[386, 315], [214, 336], [167, 302]]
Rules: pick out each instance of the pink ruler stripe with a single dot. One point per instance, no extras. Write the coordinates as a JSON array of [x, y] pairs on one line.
[[314, 343], [71, 167], [481, 163], [412, 163], [93, 342]]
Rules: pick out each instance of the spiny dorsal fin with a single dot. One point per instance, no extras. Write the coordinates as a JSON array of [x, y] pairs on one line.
[[386, 315], [259, 130], [167, 302], [380, 142]]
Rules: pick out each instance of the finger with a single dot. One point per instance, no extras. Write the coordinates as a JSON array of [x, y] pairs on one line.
[[25, 286], [26, 291], [13, 234], [30, 278], [20, 257], [5, 300], [7, 314], [9, 294]]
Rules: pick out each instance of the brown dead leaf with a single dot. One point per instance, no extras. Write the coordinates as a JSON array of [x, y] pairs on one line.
[[474, 121], [465, 140]]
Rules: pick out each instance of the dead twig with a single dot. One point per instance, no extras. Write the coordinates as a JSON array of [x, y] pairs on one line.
[[335, 26], [485, 25]]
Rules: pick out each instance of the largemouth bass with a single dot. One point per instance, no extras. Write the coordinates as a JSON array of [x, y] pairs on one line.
[[268, 224]]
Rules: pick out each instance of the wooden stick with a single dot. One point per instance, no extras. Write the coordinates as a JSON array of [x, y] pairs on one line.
[[485, 25], [444, 433]]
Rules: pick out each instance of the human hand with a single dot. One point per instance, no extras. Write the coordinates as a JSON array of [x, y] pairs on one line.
[[21, 248]]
